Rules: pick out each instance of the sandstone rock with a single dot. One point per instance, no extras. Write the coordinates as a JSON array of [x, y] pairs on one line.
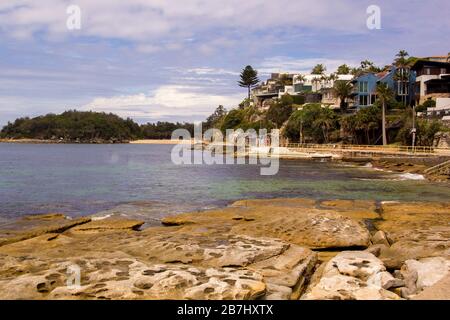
[[341, 287], [438, 291], [36, 225], [356, 209], [131, 279], [380, 238], [428, 270], [352, 275], [403, 250], [416, 230], [376, 249], [278, 202], [313, 229], [291, 221], [288, 272], [107, 261], [385, 280], [114, 223]]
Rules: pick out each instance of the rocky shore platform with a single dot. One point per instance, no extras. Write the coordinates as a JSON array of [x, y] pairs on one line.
[[253, 249]]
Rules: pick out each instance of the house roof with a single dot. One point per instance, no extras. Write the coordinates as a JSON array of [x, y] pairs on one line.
[[421, 63]]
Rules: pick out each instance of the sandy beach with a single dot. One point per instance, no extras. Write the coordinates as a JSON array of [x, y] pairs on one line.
[[160, 141]]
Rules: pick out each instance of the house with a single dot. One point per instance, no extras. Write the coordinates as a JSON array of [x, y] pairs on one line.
[[317, 82], [329, 96], [272, 88], [432, 80], [400, 80], [364, 87], [313, 88], [438, 58]]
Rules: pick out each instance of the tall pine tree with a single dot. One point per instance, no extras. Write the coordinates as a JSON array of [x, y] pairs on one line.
[[249, 78]]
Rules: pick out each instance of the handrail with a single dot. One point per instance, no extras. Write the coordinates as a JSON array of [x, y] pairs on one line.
[[438, 167], [351, 147]]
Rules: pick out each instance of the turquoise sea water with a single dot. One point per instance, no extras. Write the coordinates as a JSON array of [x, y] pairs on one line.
[[141, 180]]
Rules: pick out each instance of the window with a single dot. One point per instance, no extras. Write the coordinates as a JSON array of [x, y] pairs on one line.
[[402, 88], [427, 71], [363, 100], [363, 86], [443, 70]]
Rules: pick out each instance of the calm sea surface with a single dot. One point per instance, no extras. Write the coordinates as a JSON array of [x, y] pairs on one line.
[[141, 181]]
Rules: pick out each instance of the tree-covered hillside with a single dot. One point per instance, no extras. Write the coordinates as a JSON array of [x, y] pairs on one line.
[[87, 127]]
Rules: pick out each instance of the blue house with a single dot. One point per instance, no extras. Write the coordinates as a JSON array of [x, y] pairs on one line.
[[400, 81]]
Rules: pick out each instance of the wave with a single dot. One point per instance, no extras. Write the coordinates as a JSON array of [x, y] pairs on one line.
[[411, 176]]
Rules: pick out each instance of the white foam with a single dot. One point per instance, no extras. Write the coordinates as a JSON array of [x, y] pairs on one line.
[[411, 176], [100, 217]]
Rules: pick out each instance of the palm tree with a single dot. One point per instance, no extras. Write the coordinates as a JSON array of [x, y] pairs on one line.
[[301, 78], [401, 57], [325, 121], [402, 73], [384, 94], [316, 80], [343, 90], [319, 69], [249, 78], [333, 77], [343, 69]]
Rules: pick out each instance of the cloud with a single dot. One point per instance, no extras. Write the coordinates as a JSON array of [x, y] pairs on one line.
[[142, 20], [167, 101], [191, 50]]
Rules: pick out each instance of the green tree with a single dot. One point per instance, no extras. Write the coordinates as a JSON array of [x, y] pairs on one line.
[[311, 123], [326, 120], [280, 111], [248, 78], [285, 80], [430, 103], [343, 69], [215, 117], [384, 95], [319, 69], [343, 90], [233, 119], [301, 78], [402, 73], [366, 66], [401, 58]]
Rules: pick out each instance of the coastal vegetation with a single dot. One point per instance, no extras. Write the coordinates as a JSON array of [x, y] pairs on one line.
[[87, 127]]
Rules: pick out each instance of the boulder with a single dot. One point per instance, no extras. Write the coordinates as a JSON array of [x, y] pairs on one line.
[[426, 272], [376, 249], [380, 238], [415, 231], [438, 291], [352, 275], [287, 273]]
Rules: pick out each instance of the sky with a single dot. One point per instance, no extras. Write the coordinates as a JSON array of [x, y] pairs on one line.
[[177, 60]]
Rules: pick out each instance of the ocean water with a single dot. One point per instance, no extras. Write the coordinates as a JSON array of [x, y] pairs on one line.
[[141, 181]]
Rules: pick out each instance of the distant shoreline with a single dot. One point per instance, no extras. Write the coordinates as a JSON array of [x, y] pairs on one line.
[[160, 141], [143, 141]]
